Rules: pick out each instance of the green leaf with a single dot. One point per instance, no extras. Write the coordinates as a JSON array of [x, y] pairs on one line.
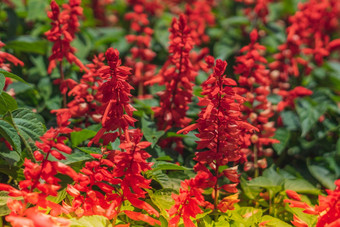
[[283, 135], [28, 44], [249, 216], [164, 180], [90, 150], [274, 222], [7, 103], [10, 134], [80, 136], [60, 197], [309, 114], [323, 175], [301, 186], [2, 82], [29, 127], [160, 165], [76, 156], [290, 120], [262, 182], [150, 131], [90, 221], [275, 177], [162, 199], [11, 75]]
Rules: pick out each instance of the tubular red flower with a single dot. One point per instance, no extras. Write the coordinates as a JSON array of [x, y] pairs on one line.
[[114, 95], [221, 130], [254, 84], [64, 26], [177, 75]]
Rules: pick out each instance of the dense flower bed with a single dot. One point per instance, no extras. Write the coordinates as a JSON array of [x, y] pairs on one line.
[[170, 113]]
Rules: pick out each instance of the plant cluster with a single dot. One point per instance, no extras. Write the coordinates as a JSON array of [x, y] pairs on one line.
[[169, 113]]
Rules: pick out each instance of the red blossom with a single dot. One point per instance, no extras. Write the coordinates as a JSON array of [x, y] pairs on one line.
[[328, 209], [177, 75], [254, 84], [64, 26], [114, 95], [221, 130]]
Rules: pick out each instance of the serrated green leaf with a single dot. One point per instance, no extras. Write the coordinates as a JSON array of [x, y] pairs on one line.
[[80, 136], [90, 221], [162, 199], [10, 134], [11, 75], [7, 103], [29, 127]]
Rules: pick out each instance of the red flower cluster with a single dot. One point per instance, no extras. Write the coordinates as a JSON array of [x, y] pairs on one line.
[[6, 57], [177, 75], [40, 181], [188, 202], [114, 95], [199, 14], [308, 34], [288, 97], [99, 12], [64, 26], [328, 209], [254, 84], [257, 9], [141, 51], [118, 174], [221, 131], [85, 102]]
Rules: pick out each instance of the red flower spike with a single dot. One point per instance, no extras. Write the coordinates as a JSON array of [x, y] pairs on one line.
[[64, 26], [256, 9], [255, 82], [177, 75], [115, 96], [221, 130]]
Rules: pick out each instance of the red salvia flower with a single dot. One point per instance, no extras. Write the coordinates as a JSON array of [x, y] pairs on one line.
[[64, 26], [177, 75], [86, 97], [221, 129], [4, 58], [254, 84], [40, 181], [199, 14], [119, 175], [141, 53], [114, 96], [257, 9], [328, 209]]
